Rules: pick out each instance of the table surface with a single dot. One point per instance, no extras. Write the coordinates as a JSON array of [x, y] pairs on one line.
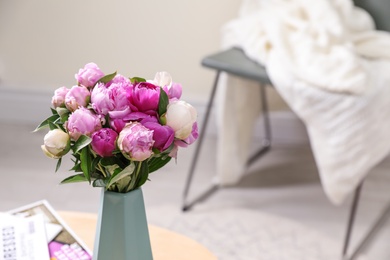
[[165, 244]]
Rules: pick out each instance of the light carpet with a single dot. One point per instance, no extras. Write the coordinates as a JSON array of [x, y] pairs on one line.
[[245, 234]]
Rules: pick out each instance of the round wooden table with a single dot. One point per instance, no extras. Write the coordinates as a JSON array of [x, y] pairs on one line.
[[166, 245]]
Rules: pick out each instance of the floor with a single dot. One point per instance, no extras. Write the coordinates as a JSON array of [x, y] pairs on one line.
[[283, 183]]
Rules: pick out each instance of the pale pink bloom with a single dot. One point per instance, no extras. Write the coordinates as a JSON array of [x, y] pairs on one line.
[[82, 122], [104, 142], [162, 79], [101, 99], [89, 75], [56, 143], [112, 100], [58, 100], [181, 117], [135, 141], [119, 79], [77, 96]]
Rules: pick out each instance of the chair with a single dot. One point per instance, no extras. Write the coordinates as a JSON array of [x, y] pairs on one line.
[[233, 61]]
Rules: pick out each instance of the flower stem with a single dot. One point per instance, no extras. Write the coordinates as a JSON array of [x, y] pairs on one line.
[[134, 176]]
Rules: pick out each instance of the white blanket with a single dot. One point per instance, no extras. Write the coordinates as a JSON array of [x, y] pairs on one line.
[[333, 69]]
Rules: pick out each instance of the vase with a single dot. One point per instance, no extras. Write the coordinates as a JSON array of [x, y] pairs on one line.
[[122, 230]]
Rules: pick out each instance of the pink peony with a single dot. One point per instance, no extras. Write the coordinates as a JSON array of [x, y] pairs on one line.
[[119, 95], [117, 124], [89, 75], [136, 141], [58, 100], [163, 135], [119, 79], [82, 122], [112, 100], [104, 142], [144, 97], [77, 96], [101, 99], [174, 91]]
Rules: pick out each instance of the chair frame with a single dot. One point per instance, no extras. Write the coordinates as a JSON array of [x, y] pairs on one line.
[[265, 147]]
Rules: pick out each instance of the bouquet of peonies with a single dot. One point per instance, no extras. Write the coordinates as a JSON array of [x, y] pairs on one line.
[[118, 129]]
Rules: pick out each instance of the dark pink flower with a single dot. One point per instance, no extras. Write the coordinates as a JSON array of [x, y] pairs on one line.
[[117, 124], [144, 97], [163, 135], [104, 142]]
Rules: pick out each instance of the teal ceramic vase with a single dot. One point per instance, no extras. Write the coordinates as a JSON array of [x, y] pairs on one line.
[[122, 230]]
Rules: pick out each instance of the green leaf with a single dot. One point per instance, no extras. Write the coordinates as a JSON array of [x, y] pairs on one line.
[[63, 113], [156, 163], [120, 175], [163, 102], [45, 122], [53, 111], [77, 168], [98, 183], [74, 178], [58, 164], [52, 126], [107, 78], [143, 175], [82, 142], [110, 161], [137, 80], [86, 163]]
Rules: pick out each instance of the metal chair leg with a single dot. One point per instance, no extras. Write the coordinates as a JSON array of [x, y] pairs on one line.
[[351, 219], [266, 144], [186, 206], [367, 239]]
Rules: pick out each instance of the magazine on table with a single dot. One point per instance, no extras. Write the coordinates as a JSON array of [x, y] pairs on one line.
[[61, 242], [22, 238]]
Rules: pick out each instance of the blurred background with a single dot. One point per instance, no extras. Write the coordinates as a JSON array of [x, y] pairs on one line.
[[43, 43]]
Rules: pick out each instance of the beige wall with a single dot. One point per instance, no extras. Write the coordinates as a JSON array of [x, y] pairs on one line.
[[43, 43]]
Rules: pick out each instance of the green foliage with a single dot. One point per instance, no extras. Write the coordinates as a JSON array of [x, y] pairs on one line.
[[162, 103], [107, 78], [135, 80]]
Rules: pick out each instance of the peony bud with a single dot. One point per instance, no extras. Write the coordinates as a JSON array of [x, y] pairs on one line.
[[89, 75], [58, 100], [181, 117], [77, 96], [136, 141], [104, 142], [56, 143], [82, 122]]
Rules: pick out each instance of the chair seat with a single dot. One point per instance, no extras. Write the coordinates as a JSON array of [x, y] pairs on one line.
[[234, 61]]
